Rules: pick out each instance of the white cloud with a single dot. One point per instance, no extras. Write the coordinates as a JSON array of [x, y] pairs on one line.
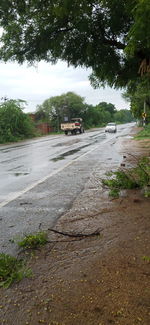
[[37, 83]]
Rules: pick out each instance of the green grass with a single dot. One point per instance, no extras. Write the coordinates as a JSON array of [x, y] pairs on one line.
[[146, 258], [11, 270], [33, 241], [143, 134]]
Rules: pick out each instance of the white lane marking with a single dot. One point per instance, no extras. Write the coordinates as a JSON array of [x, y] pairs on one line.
[[15, 195]]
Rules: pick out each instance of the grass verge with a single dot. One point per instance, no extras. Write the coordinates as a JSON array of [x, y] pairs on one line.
[[143, 134], [11, 270]]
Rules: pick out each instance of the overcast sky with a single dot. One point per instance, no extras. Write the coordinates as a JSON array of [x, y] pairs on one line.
[[37, 83]]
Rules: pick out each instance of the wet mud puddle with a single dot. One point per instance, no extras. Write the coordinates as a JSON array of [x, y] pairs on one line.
[[94, 139]]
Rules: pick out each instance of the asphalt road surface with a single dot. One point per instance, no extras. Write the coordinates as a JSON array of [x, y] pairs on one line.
[[40, 178]]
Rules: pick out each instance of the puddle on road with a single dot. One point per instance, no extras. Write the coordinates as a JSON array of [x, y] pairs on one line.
[[58, 158], [69, 153], [95, 139], [25, 203], [21, 174]]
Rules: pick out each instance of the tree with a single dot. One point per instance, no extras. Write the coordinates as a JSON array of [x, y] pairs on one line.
[[138, 93], [99, 115], [58, 108], [100, 34], [139, 35], [92, 117], [123, 116], [107, 107], [14, 124]]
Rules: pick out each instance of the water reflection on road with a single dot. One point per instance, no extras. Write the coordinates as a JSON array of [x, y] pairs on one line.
[[25, 163]]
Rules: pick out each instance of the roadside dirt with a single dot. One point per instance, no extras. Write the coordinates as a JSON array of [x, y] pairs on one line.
[[97, 280]]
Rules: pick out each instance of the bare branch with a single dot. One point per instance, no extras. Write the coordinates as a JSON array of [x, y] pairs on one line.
[[95, 233]]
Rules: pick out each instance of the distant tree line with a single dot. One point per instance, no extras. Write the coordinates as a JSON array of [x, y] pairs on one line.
[[58, 109], [16, 125]]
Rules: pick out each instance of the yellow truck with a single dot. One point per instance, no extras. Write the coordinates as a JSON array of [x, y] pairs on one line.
[[74, 127]]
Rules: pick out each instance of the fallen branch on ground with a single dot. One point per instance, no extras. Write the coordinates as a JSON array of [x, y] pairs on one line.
[[95, 233]]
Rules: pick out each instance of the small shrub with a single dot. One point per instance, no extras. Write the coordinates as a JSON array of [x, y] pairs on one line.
[[33, 241], [138, 177], [146, 258], [120, 180], [143, 172], [12, 269], [114, 193], [124, 181], [15, 125]]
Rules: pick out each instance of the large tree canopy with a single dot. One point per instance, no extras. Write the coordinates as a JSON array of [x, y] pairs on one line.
[[58, 108], [102, 35]]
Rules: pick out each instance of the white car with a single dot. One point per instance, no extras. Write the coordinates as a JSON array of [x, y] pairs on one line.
[[111, 127]]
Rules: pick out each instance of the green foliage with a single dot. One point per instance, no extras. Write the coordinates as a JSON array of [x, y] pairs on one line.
[[33, 241], [146, 258], [114, 193], [137, 177], [123, 116], [108, 107], [143, 134], [55, 109], [142, 172], [121, 181], [70, 105], [11, 269], [137, 93], [95, 116], [14, 124], [93, 34], [139, 33]]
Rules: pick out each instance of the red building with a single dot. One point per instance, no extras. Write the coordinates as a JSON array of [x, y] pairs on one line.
[[43, 127]]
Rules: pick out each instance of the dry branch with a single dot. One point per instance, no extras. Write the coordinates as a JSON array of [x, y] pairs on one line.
[[95, 233]]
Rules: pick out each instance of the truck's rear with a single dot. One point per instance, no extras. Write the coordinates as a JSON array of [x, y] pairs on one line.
[[75, 126]]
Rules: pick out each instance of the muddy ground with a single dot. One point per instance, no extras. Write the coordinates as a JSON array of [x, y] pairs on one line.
[[96, 280]]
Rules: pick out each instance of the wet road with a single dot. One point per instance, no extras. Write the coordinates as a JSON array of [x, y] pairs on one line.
[[40, 178]]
